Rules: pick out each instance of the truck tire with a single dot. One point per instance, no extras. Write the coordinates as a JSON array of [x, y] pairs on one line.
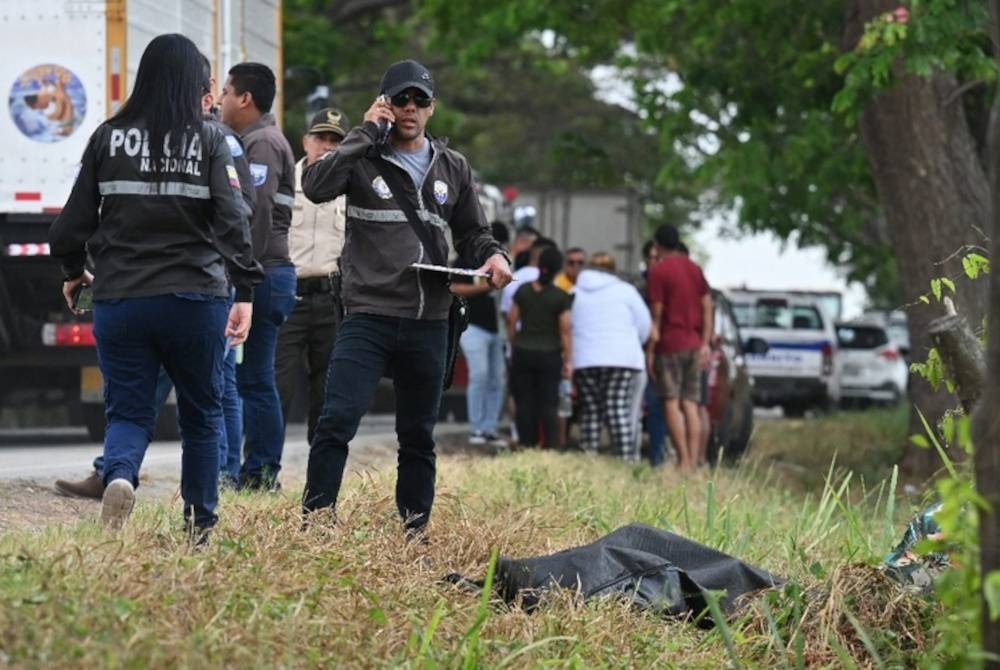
[[94, 420], [167, 429], [794, 410]]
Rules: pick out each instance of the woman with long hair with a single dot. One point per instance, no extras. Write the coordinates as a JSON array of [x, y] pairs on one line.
[[157, 206], [538, 326]]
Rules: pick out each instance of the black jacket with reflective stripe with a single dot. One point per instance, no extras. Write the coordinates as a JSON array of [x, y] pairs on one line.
[[177, 224], [380, 245], [272, 166]]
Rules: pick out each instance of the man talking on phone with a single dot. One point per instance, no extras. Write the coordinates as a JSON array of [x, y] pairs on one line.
[[396, 178]]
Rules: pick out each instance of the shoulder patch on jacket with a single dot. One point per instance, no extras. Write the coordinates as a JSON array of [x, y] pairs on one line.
[[234, 177], [235, 149], [259, 173]]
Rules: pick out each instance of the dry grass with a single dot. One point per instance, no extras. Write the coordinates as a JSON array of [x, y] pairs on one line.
[[267, 594]]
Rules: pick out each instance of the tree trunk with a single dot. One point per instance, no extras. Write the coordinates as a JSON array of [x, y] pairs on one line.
[[936, 198], [986, 425], [986, 436]]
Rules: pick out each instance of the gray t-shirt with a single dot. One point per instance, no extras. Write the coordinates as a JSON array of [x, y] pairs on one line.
[[416, 162]]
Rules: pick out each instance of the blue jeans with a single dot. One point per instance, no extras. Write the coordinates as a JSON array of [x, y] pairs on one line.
[[231, 438], [184, 334], [163, 386], [366, 347], [656, 423], [483, 352], [232, 425], [264, 424]]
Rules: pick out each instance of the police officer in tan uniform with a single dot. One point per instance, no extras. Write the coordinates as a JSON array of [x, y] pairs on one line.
[[315, 240]]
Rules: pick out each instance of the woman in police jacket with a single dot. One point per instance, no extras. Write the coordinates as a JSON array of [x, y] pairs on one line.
[[157, 206]]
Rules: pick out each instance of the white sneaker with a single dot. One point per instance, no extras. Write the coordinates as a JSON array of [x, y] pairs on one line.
[[477, 438], [117, 503]]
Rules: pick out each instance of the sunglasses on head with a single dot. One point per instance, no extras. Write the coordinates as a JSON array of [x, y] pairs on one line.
[[420, 98]]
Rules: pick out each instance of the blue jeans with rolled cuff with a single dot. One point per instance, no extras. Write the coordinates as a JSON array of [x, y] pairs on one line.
[[183, 333]]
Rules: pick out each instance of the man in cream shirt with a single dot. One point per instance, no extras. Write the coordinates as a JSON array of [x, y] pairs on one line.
[[315, 240]]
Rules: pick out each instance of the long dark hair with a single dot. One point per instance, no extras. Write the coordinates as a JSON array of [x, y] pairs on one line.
[[167, 94]]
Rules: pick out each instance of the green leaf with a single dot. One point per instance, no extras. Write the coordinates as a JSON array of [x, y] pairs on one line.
[[949, 284], [991, 591], [920, 441], [936, 288]]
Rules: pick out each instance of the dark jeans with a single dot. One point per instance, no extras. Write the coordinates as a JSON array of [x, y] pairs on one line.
[[263, 423], [231, 438], [534, 381], [184, 334], [656, 423], [163, 386], [366, 346], [304, 346]]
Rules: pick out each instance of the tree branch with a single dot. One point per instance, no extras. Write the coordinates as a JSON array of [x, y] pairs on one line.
[[962, 356], [341, 13]]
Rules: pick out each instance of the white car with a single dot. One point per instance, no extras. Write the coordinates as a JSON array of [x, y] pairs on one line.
[[798, 372], [872, 369]]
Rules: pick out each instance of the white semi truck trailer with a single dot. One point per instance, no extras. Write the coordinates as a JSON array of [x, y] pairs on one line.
[[67, 66]]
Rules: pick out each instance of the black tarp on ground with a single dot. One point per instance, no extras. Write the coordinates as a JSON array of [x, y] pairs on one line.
[[656, 569]]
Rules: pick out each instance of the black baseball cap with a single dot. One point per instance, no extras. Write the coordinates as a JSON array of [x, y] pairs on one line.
[[407, 74], [329, 120]]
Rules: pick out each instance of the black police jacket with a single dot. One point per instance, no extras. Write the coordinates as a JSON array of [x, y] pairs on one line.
[[380, 245], [174, 224]]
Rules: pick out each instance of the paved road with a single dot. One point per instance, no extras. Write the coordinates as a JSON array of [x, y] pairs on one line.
[[47, 453]]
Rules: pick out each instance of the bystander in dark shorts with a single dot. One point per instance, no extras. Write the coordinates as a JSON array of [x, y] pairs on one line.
[[678, 375]]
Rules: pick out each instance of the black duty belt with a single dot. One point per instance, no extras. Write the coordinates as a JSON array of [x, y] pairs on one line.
[[310, 285]]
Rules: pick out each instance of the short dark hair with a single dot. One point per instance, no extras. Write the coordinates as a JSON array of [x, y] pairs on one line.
[[541, 242], [668, 237], [576, 250], [500, 232], [647, 249], [256, 79], [528, 230]]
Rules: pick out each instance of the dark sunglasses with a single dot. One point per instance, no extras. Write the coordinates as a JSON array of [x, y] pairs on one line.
[[574, 262], [400, 99]]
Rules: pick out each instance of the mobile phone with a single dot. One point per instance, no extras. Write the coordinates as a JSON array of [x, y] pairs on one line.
[[384, 125], [83, 297]]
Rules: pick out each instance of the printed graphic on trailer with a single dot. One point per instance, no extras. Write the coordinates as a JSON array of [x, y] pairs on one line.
[[47, 103]]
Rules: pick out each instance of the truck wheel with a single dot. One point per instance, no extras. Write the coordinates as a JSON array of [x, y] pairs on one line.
[[794, 410], [95, 421], [740, 441], [167, 429]]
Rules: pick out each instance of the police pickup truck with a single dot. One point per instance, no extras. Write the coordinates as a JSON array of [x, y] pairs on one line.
[[798, 372]]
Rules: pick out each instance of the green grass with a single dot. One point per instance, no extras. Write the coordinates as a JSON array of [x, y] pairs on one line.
[[865, 443], [266, 594]]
